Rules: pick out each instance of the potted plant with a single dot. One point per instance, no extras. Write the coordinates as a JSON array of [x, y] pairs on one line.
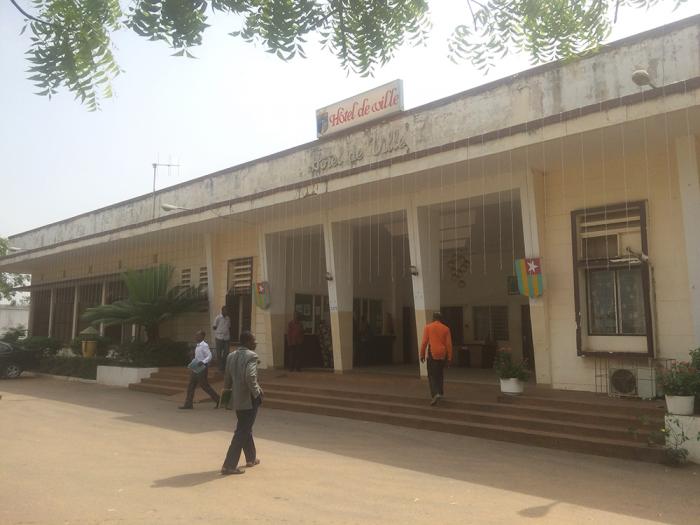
[[680, 383], [512, 375]]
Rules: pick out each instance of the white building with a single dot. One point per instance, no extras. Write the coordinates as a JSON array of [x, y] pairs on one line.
[[572, 163]]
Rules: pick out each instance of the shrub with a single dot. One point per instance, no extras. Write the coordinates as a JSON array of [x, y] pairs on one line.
[[103, 344], [13, 335], [506, 368], [164, 352], [84, 367], [681, 379], [48, 346]]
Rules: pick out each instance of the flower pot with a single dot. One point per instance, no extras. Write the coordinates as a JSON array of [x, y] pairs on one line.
[[512, 386], [680, 405]]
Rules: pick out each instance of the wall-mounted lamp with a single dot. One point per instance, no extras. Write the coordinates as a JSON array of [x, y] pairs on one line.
[[641, 78], [172, 207], [413, 269], [329, 277]]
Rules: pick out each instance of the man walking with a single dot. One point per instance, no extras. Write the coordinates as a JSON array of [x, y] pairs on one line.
[[295, 340], [222, 336], [241, 376], [200, 371], [438, 340]]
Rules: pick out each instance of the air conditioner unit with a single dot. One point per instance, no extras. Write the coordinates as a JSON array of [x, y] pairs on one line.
[[632, 382]]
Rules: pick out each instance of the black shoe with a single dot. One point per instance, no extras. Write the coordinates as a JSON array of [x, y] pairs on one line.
[[225, 471], [186, 407]]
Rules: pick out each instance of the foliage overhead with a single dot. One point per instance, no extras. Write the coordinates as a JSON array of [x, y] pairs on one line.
[[10, 281], [150, 301], [71, 40]]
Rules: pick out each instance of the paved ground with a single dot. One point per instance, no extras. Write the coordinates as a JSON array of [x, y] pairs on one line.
[[83, 453]]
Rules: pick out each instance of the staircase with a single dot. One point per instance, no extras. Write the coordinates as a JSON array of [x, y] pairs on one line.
[[576, 426], [564, 421], [170, 381]]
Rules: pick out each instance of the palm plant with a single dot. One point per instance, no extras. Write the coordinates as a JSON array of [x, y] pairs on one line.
[[150, 301]]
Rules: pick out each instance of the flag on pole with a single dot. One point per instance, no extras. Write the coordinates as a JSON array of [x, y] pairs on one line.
[[529, 273]]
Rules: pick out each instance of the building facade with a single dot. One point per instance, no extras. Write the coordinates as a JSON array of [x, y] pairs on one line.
[[366, 232]]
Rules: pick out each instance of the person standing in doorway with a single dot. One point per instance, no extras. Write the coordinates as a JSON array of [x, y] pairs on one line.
[[222, 336], [295, 341], [241, 376], [438, 341], [200, 371]]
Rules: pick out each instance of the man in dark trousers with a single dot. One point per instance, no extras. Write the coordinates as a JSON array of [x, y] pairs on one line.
[[295, 340], [241, 376], [202, 356], [438, 340]]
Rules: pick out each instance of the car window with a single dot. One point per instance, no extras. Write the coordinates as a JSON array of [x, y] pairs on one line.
[[5, 348]]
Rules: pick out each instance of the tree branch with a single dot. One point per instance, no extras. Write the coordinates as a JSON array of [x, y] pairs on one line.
[[27, 15]]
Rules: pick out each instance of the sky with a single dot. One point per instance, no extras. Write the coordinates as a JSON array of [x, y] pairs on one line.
[[232, 104]]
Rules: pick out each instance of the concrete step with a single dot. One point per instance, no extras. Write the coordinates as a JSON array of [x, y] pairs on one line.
[[155, 389], [600, 416], [473, 414], [655, 409], [570, 442], [181, 384]]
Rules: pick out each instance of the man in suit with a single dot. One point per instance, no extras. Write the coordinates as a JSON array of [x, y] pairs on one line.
[[241, 376], [438, 340]]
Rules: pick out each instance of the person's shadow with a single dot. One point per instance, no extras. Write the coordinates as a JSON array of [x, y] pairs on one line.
[[187, 480]]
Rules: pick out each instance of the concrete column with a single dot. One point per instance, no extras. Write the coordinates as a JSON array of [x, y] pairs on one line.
[[689, 185], [209, 254], [338, 242], [424, 248], [272, 249], [103, 301], [532, 209], [74, 327], [52, 302]]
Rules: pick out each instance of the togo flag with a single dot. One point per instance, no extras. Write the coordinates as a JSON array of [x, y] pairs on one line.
[[529, 273], [262, 295]]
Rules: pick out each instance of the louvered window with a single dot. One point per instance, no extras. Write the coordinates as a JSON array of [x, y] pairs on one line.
[[203, 279], [240, 276], [186, 277]]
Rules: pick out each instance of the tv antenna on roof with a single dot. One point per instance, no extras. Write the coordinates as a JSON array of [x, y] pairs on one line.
[[157, 165]]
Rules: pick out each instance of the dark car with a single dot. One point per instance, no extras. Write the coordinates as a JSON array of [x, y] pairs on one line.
[[13, 360]]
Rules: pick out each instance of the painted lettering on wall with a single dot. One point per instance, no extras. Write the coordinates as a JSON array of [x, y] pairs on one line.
[[379, 144], [365, 107]]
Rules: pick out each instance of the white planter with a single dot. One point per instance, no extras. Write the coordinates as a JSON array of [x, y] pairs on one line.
[[512, 386], [690, 425], [680, 405], [122, 375]]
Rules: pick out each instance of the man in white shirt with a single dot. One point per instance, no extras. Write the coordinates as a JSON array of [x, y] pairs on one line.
[[222, 336], [202, 355]]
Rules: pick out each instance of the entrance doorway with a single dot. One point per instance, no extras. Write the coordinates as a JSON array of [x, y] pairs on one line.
[[528, 347]]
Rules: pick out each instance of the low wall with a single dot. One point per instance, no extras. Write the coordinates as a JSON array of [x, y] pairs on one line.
[[121, 375], [691, 426]]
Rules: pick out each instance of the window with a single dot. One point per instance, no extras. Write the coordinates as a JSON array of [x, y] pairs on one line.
[[203, 280], [616, 302], [185, 277], [611, 274], [311, 309], [491, 323]]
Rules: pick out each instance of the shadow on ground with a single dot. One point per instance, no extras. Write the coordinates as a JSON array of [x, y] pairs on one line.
[[588, 481]]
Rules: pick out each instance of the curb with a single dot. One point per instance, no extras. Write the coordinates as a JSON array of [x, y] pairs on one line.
[[61, 378]]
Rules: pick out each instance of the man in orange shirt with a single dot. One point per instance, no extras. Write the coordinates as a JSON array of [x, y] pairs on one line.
[[438, 340]]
